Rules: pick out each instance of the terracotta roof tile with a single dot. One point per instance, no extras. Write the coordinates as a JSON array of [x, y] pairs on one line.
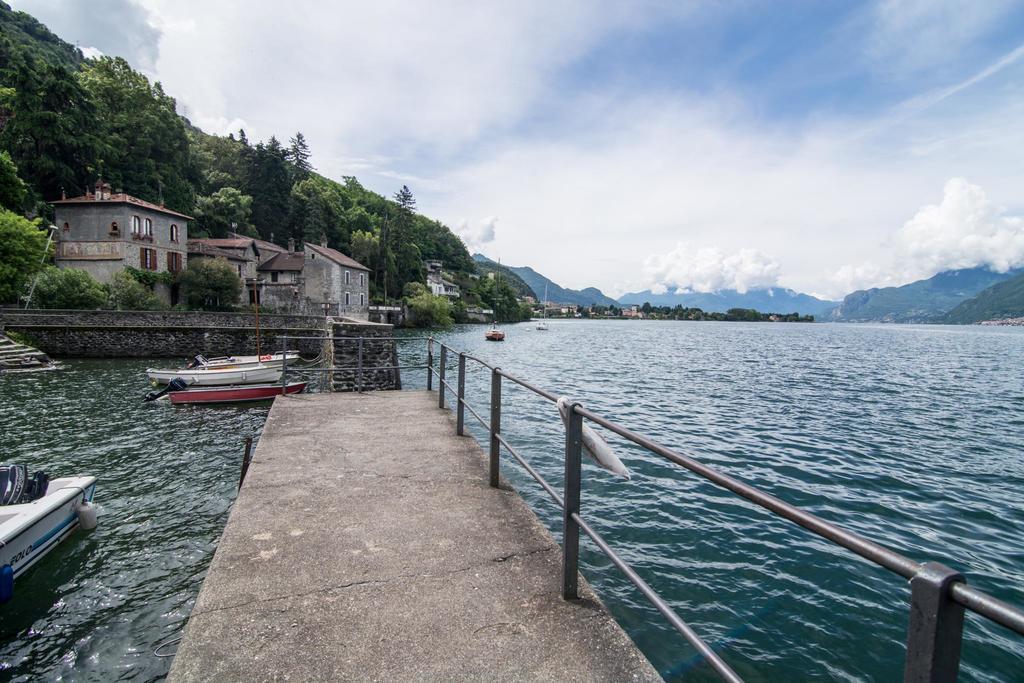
[[284, 261], [337, 256], [122, 198]]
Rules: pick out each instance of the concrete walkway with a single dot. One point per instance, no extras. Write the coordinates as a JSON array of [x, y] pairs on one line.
[[367, 545]]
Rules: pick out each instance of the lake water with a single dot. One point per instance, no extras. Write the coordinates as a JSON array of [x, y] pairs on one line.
[[910, 435]]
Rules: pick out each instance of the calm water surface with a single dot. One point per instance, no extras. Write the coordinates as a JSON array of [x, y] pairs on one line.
[[911, 435]]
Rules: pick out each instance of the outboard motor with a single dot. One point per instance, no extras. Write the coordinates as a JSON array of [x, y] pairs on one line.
[[17, 487], [176, 384], [197, 362]]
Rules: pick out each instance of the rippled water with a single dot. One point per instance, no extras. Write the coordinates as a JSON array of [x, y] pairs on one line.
[[96, 607], [911, 435]]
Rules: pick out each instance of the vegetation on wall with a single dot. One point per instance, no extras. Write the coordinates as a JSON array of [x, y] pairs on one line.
[[22, 249], [68, 288]]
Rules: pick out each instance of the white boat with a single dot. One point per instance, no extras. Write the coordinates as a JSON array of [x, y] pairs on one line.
[[215, 377], [543, 324], [30, 530], [269, 360]]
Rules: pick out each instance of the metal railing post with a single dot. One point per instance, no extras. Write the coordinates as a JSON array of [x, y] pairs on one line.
[[440, 376], [460, 411], [284, 365], [570, 529], [430, 364], [936, 625], [493, 460], [359, 364]]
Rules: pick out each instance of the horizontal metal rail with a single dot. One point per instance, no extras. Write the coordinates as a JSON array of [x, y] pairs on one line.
[[939, 595]]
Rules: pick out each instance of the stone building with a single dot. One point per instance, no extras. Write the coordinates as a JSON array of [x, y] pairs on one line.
[[317, 279], [103, 232], [436, 282], [240, 253]]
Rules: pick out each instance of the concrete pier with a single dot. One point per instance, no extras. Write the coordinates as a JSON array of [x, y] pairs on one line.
[[366, 544]]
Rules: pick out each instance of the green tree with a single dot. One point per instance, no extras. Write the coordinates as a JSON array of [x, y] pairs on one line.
[[211, 284], [225, 210], [68, 288], [269, 185], [427, 310], [22, 247], [298, 155], [13, 190], [49, 127], [128, 294], [144, 147]]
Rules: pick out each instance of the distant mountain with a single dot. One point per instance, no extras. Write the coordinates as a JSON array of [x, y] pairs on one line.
[[556, 293], [765, 300], [920, 301], [486, 265], [1002, 300]]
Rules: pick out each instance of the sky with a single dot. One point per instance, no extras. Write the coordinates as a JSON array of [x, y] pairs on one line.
[[821, 146]]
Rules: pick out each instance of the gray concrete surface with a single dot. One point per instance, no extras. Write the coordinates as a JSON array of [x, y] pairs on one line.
[[367, 545]]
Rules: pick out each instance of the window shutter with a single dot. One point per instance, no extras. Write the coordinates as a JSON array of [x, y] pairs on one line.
[[143, 261]]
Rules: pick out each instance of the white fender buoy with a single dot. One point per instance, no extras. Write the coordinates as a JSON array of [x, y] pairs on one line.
[[594, 444], [86, 515]]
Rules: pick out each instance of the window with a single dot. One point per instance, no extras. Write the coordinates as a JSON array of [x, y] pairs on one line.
[[362, 299], [347, 298], [115, 229], [173, 261], [174, 233], [348, 277], [147, 259], [239, 270], [362, 279], [67, 227], [273, 277], [149, 228], [136, 225]]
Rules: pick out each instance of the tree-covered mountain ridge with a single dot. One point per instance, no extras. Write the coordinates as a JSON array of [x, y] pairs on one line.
[[67, 121], [1002, 300], [921, 301]]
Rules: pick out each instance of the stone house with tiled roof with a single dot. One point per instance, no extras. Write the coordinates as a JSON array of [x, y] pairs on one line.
[[102, 232], [317, 279]]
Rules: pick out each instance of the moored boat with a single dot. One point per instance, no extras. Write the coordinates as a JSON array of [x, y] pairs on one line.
[[234, 394], [272, 360], [206, 377], [29, 530]]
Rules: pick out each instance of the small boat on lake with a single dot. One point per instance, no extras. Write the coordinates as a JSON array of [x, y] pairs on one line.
[[269, 360], [237, 394], [218, 376], [494, 334], [543, 324], [36, 514]]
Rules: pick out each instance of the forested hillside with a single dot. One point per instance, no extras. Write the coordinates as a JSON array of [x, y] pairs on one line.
[[1002, 300], [66, 120]]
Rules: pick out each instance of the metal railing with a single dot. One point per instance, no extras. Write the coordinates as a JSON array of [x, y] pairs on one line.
[[360, 368], [938, 595]]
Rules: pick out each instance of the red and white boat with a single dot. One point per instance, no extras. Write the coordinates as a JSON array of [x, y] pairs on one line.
[[234, 394]]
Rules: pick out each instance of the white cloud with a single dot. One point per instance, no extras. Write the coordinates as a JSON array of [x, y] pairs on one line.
[[91, 52], [909, 37], [964, 230], [708, 269], [477, 233]]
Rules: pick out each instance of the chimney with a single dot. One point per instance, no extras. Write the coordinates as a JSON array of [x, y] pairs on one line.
[[99, 189], [106, 190], [63, 194], [291, 245], [323, 240]]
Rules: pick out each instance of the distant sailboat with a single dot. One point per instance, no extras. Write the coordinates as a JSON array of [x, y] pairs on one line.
[[543, 324], [494, 334]]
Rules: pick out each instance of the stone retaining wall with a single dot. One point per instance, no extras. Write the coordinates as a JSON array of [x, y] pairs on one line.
[[378, 352], [144, 334]]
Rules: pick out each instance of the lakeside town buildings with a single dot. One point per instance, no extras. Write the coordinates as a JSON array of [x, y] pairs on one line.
[[104, 232]]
